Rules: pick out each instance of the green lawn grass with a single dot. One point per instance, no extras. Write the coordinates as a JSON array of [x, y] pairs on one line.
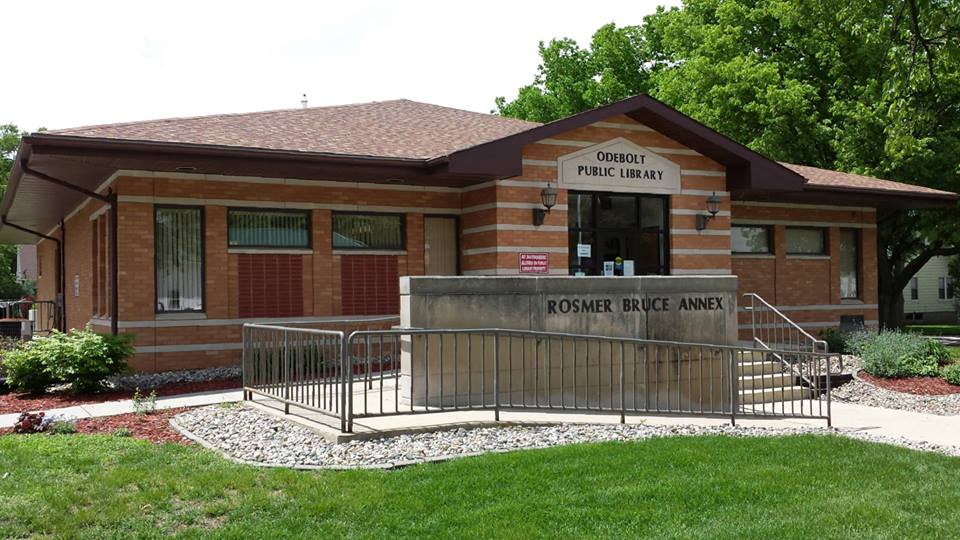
[[707, 487], [934, 329]]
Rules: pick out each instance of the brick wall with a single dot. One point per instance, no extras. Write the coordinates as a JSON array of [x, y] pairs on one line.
[[494, 228], [807, 288], [495, 222]]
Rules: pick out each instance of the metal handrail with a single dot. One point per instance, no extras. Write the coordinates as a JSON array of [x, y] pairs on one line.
[[733, 355], [322, 370], [779, 356], [754, 297], [47, 313]]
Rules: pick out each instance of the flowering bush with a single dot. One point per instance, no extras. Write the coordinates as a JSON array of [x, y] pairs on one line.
[[62, 426], [32, 422], [896, 354], [82, 358]]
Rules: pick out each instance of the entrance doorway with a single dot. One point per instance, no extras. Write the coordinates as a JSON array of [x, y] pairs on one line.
[[440, 248], [605, 227]]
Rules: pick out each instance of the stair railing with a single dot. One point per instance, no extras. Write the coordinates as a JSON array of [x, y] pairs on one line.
[[771, 329]]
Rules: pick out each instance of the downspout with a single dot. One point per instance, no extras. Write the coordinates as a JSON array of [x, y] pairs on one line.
[[111, 200], [60, 270], [63, 276], [114, 259]]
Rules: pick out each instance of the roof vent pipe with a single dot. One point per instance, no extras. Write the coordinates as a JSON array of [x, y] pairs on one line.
[[303, 102]]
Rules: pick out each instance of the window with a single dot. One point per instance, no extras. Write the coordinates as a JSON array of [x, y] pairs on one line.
[[368, 231], [849, 263], [945, 288], [604, 226], [178, 233], [278, 229], [806, 241], [914, 289], [750, 239]]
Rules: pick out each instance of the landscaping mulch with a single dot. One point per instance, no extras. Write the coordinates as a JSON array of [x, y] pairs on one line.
[[921, 386], [14, 403], [154, 427]]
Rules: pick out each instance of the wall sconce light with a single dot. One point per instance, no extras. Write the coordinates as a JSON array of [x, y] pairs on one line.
[[713, 206], [548, 197]]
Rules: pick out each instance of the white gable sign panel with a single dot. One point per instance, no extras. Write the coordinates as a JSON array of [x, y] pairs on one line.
[[618, 165]]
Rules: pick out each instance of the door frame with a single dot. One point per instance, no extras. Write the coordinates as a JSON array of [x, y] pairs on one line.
[[456, 226], [637, 195]]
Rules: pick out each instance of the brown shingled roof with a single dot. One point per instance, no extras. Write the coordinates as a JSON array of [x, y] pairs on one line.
[[400, 129], [827, 179], [395, 129]]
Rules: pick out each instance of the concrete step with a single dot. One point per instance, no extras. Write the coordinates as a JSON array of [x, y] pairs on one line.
[[758, 368], [752, 356], [766, 380], [771, 395]]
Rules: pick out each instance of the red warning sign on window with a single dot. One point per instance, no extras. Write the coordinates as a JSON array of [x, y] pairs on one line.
[[534, 263]]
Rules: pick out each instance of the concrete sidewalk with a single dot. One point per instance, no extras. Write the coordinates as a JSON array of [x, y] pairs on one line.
[[918, 427], [124, 406]]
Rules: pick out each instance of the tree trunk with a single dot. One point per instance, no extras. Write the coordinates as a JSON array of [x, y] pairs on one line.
[[891, 308]]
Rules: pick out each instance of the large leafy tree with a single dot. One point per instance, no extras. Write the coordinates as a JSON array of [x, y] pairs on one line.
[[866, 87]]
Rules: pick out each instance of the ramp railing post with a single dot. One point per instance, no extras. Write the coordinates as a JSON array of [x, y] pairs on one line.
[[731, 356], [286, 374], [623, 406], [496, 376]]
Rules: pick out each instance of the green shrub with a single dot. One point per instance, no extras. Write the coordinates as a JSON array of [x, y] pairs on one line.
[[27, 368], [82, 358], [836, 340], [122, 432], [951, 374], [87, 358], [144, 404], [61, 426], [896, 354]]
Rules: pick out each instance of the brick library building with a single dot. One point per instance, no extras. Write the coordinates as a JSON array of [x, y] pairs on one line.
[[181, 230]]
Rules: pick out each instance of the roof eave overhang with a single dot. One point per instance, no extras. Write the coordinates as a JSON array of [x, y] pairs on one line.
[[216, 159], [864, 197]]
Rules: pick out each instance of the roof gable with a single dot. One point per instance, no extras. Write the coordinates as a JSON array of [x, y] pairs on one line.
[[746, 169]]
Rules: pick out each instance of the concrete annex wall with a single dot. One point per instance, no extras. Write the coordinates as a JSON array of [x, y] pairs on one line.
[[460, 369]]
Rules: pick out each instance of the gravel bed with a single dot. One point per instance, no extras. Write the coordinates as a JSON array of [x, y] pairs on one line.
[[256, 437], [146, 381], [863, 393]]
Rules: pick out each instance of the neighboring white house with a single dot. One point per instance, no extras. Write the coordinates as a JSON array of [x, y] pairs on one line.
[[27, 262], [929, 296]]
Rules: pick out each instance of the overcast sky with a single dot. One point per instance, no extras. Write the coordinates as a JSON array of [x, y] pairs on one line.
[[79, 63]]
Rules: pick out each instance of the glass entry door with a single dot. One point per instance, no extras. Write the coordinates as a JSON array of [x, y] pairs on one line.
[[622, 230]]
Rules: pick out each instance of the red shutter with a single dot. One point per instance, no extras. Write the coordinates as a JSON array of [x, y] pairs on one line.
[[270, 285], [370, 285]]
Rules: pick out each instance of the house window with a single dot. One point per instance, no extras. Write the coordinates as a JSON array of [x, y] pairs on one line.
[[849, 263], [368, 231], [914, 289], [945, 288], [806, 241], [750, 239], [268, 229], [178, 232]]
